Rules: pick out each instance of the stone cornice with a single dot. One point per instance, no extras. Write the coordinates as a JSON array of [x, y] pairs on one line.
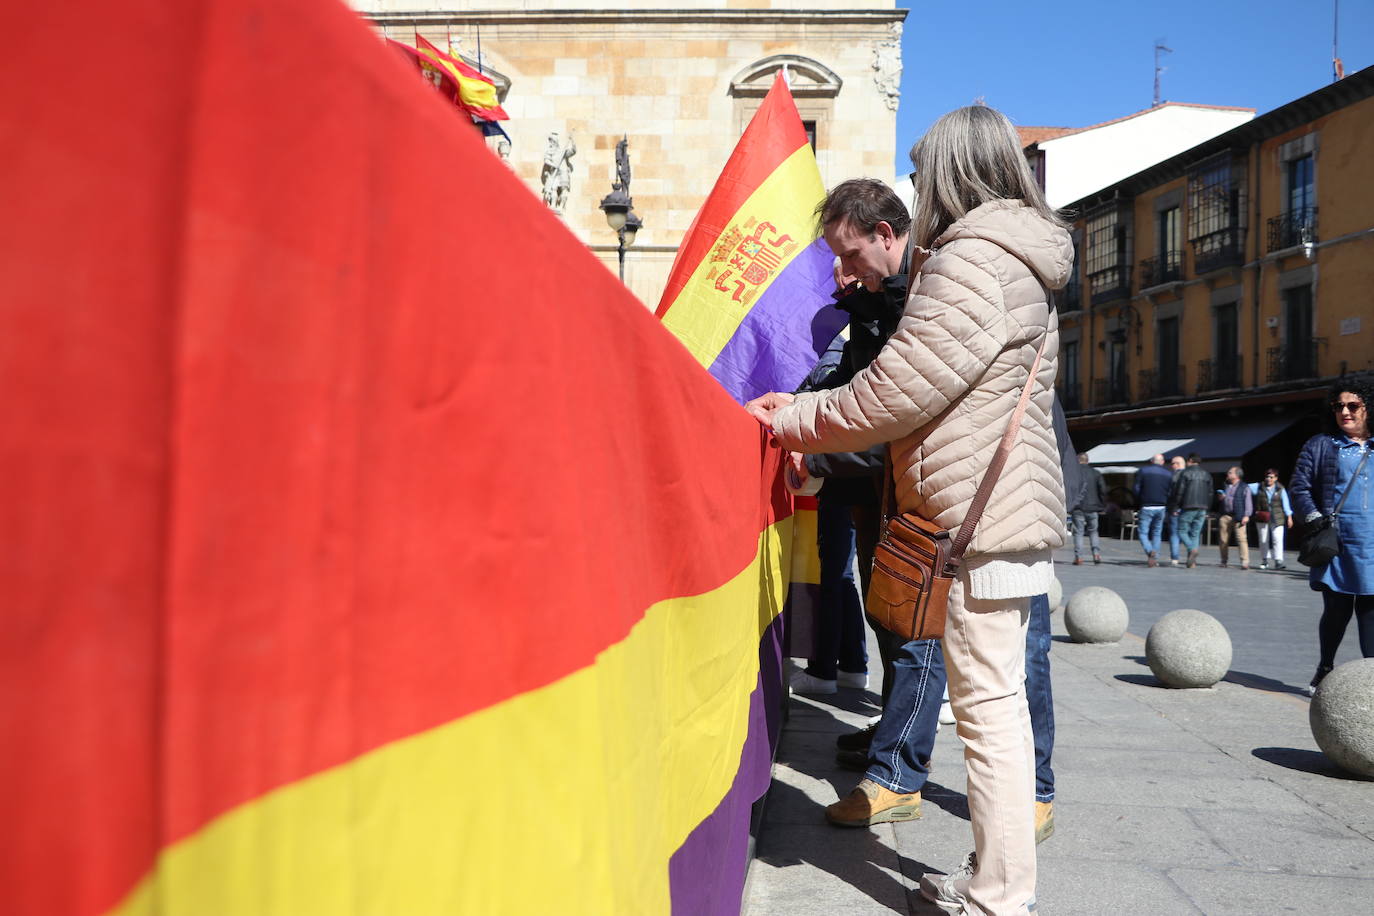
[[733, 17]]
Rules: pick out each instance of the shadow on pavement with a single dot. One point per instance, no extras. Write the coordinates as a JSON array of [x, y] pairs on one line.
[[850, 854], [1304, 761], [1260, 682], [955, 803], [1142, 680]]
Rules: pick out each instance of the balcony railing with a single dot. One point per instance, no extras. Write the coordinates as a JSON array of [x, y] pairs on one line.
[[1158, 383], [1219, 374], [1286, 364], [1167, 268], [1296, 227], [1069, 398], [1218, 249], [1110, 284], [1111, 391]]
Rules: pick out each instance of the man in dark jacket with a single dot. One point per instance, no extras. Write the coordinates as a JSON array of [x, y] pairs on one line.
[[1152, 484], [1088, 506], [1237, 505], [1189, 498]]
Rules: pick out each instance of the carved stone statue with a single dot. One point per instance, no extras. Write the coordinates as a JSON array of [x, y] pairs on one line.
[[556, 176], [887, 67], [622, 165]]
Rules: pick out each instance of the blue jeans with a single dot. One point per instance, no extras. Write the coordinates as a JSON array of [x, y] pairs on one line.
[[1084, 522], [840, 633], [1150, 522], [1171, 526], [899, 757], [1190, 527]]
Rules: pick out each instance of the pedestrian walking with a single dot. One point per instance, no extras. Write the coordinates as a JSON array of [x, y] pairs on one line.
[[1189, 498], [1331, 479], [1176, 465], [1088, 505], [1152, 484], [1237, 505], [1273, 516]]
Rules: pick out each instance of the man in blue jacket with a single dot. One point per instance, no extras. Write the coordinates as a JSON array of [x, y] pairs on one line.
[[1152, 495]]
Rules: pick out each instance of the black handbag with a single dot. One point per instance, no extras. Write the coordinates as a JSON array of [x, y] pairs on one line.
[[1321, 540]]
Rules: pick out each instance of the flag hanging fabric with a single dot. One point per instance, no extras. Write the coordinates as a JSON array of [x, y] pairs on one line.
[[323, 593], [476, 91], [750, 291]]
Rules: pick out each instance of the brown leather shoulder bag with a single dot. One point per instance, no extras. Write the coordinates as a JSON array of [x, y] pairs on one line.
[[916, 561]]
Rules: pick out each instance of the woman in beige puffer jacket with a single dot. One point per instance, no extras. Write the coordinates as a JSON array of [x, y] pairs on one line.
[[941, 392]]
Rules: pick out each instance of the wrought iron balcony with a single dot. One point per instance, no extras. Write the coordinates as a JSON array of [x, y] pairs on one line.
[[1167, 268], [1110, 284], [1218, 249], [1286, 364], [1157, 383], [1107, 392], [1219, 374], [1296, 227], [1069, 398]]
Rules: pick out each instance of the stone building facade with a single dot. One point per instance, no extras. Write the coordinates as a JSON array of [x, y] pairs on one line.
[[679, 79]]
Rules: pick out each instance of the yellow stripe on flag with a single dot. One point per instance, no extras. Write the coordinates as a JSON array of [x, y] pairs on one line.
[[567, 799], [705, 318]]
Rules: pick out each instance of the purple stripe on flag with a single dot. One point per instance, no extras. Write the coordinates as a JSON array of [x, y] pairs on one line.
[[706, 874], [785, 333]]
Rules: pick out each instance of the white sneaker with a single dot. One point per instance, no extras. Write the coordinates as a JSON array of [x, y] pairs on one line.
[[946, 713], [805, 683], [948, 891], [857, 679]]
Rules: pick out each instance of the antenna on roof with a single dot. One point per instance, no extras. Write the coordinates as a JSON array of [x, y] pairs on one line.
[[1159, 46], [1337, 68]]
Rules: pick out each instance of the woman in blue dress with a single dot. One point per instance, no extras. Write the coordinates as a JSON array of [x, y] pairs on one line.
[[1333, 465]]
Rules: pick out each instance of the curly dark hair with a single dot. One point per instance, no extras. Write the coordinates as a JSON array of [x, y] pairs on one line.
[[1362, 386]]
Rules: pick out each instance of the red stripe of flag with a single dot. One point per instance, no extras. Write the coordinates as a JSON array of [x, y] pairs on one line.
[[775, 133]]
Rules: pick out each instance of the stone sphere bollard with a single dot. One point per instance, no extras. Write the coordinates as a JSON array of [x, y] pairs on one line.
[[1096, 614], [1342, 716], [1188, 648], [1056, 594]]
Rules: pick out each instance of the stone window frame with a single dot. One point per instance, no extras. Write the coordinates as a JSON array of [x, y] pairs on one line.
[[814, 92]]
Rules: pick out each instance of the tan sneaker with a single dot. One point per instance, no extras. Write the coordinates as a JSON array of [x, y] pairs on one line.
[[870, 803], [1044, 821]]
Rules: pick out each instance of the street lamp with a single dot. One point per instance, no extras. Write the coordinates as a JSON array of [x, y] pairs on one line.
[[619, 206]]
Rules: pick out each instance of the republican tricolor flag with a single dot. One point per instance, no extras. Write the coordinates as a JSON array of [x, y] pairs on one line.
[[750, 291]]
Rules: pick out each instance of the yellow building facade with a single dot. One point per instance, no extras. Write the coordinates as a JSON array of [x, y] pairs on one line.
[[1218, 293]]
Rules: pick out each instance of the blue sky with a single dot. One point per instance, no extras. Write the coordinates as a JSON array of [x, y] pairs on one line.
[[1076, 63]]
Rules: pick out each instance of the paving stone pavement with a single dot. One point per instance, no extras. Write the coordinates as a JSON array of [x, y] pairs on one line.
[[1211, 801]]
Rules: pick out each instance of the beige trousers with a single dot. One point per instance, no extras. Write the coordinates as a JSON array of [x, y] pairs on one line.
[[985, 652], [1229, 524]]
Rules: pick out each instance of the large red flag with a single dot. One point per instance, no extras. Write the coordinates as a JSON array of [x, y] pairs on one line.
[[322, 593]]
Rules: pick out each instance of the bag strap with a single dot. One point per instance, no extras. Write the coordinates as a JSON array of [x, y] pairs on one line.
[[999, 459], [1358, 468]]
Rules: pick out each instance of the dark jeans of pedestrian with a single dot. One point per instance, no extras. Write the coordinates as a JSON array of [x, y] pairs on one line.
[[899, 757], [1337, 609], [841, 642]]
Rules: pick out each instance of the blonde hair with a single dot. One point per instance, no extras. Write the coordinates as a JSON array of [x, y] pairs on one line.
[[969, 157]]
